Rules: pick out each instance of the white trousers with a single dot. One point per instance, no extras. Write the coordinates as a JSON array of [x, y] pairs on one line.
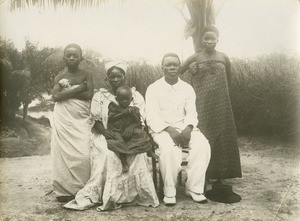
[[170, 158]]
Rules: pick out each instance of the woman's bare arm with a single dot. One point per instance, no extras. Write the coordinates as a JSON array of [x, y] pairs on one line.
[[228, 70], [98, 128], [88, 94], [61, 95], [185, 66]]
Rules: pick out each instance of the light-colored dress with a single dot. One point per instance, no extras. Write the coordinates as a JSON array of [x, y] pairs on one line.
[[70, 147], [107, 184]]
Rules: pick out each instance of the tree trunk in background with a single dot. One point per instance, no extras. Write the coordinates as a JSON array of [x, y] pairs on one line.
[[25, 109], [201, 12]]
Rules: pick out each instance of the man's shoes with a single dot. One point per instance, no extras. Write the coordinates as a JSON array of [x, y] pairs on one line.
[[197, 197], [169, 201]]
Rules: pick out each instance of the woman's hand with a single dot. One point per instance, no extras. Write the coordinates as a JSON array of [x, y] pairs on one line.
[[128, 133], [60, 95], [176, 136], [95, 129], [98, 128], [134, 110], [193, 68], [126, 111], [109, 135], [82, 87]]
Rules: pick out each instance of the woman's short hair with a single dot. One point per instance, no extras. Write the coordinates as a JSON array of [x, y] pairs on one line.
[[73, 45], [211, 28]]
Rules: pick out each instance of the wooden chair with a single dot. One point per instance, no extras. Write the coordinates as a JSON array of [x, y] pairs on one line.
[[157, 177]]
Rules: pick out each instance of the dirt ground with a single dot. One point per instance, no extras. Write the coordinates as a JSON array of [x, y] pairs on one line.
[[269, 189], [25, 138]]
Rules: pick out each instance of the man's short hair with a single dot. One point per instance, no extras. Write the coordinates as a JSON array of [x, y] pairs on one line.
[[170, 55]]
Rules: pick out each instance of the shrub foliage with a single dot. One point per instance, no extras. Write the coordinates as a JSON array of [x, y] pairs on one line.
[[264, 92]]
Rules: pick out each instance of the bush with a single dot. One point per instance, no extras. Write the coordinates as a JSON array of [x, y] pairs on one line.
[[265, 94], [14, 80], [141, 75]]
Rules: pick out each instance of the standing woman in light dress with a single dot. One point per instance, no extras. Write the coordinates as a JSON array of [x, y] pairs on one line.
[[72, 92], [211, 79], [109, 186]]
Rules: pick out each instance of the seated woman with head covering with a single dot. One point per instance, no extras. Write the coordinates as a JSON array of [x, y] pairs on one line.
[[108, 184]]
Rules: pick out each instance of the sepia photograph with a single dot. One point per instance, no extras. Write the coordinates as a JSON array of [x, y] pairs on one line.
[[150, 110]]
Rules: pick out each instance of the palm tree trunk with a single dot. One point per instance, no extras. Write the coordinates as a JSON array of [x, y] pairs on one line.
[[201, 12]]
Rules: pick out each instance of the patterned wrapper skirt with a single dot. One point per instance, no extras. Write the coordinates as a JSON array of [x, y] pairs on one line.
[[216, 120]]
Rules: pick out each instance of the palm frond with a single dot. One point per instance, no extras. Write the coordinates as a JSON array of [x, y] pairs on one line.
[[201, 11], [74, 4], [202, 14]]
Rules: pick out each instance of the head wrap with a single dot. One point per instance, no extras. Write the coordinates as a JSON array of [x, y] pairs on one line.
[[73, 45], [118, 64]]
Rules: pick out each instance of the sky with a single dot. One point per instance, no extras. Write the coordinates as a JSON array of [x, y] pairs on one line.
[[147, 29]]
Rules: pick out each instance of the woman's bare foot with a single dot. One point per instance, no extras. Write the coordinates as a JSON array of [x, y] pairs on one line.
[[125, 168]]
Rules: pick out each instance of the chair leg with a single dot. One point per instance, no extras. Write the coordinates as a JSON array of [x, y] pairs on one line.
[[180, 178], [154, 172], [161, 187], [205, 185]]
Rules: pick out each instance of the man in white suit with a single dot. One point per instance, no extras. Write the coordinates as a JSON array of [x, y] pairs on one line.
[[172, 119]]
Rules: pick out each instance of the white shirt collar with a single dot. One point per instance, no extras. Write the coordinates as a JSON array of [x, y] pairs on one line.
[[177, 85]]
